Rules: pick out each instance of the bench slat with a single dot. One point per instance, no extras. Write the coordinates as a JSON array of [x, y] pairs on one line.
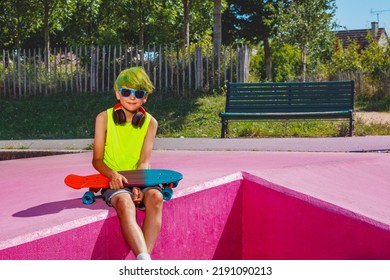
[[286, 115], [260, 101], [297, 109]]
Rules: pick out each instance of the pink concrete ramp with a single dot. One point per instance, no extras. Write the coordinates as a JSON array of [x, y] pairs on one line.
[[230, 205]]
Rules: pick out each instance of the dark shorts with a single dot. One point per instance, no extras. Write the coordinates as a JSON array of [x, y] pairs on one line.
[[108, 194]]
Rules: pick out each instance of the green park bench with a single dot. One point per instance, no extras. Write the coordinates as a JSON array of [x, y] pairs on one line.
[[292, 100]]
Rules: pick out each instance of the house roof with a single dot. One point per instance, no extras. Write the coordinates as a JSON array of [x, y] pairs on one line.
[[359, 35]]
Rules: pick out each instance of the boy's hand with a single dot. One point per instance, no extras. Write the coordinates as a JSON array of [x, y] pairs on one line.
[[116, 181], [137, 196]]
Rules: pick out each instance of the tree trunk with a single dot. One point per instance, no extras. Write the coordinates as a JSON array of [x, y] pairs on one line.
[[46, 22], [304, 64], [217, 36], [141, 26], [186, 25], [267, 59]]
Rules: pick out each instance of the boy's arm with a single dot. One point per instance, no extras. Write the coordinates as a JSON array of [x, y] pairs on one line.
[[144, 162], [116, 180]]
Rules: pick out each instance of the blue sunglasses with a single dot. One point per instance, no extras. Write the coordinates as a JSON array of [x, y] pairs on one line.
[[138, 93]]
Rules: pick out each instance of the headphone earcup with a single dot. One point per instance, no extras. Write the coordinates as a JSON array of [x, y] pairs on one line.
[[118, 114], [139, 117]]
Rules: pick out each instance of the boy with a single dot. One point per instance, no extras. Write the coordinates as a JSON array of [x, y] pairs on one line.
[[124, 137]]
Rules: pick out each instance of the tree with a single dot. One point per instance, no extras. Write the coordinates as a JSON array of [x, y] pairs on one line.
[[40, 23], [18, 20], [137, 15], [82, 24], [202, 20], [52, 13], [196, 14], [346, 60], [307, 24], [142, 22], [253, 21], [285, 60], [376, 65]]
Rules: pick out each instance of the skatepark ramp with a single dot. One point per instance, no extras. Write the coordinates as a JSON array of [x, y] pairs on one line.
[[286, 212]]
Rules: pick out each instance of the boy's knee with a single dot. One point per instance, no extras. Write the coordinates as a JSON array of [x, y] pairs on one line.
[[123, 204], [153, 197]]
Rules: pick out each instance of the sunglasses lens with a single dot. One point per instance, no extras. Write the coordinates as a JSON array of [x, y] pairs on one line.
[[125, 92], [139, 94]]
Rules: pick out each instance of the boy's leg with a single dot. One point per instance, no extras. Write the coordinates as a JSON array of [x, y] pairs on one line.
[[126, 211], [153, 201]]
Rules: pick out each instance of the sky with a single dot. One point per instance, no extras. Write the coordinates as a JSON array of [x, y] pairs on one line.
[[358, 14]]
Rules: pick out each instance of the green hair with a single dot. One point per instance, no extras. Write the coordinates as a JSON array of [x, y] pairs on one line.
[[135, 78]]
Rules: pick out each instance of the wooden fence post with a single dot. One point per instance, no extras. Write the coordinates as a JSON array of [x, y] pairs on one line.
[[94, 68]]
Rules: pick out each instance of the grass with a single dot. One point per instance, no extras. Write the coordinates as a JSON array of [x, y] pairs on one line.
[[11, 147], [67, 116], [379, 105]]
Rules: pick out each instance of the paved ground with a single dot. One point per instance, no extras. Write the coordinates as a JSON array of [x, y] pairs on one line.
[[374, 117], [328, 144]]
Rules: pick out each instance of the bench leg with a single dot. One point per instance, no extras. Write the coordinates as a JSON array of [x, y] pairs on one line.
[[224, 128], [351, 126]]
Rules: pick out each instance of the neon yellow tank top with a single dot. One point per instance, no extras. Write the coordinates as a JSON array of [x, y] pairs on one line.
[[124, 143]]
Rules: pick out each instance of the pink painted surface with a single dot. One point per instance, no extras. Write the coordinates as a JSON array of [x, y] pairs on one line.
[[290, 225], [290, 206]]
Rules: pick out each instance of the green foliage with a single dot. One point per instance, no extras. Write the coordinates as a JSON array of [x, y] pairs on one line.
[[289, 129], [249, 21], [201, 25], [279, 29], [80, 22], [83, 16], [347, 60], [285, 60], [364, 129], [285, 63], [375, 59], [373, 62], [257, 73], [371, 104], [18, 21], [307, 24]]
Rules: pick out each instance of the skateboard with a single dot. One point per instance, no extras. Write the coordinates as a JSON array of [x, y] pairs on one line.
[[145, 178]]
